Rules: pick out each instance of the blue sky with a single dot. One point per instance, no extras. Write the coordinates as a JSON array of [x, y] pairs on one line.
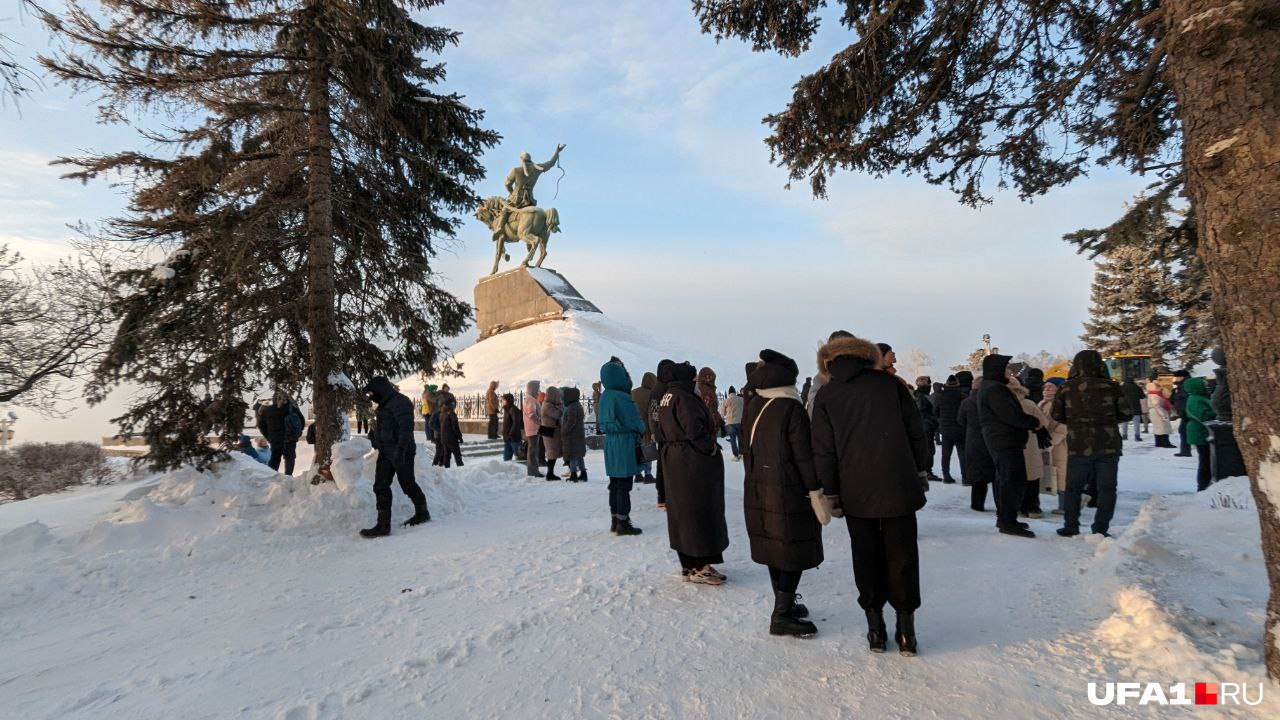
[[673, 219]]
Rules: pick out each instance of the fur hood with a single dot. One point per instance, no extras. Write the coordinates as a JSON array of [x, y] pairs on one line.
[[851, 346]]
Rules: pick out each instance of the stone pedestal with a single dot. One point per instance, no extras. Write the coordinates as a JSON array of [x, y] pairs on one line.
[[525, 296]]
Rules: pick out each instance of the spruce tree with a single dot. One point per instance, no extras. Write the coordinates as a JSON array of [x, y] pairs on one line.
[[1126, 315], [305, 168]]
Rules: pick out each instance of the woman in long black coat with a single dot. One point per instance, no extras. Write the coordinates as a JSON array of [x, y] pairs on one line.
[[979, 469], [871, 455], [694, 473], [778, 458]]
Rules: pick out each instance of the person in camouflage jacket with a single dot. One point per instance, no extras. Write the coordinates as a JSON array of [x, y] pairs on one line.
[[1092, 406]]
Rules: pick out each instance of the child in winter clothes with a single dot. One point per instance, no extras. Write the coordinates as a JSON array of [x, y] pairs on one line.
[[1199, 410], [434, 429], [573, 434], [450, 433], [1159, 409]]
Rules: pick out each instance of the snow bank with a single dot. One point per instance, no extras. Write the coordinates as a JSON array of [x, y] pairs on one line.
[[1167, 618], [225, 513], [566, 352]]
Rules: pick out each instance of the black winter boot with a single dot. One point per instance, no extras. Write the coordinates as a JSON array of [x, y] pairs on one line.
[[380, 529], [907, 634], [582, 476], [420, 515], [613, 525], [784, 622], [551, 470], [877, 634], [624, 527], [798, 610]]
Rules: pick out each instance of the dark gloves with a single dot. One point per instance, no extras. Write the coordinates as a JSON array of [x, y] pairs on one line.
[[1043, 439], [834, 508], [923, 477]]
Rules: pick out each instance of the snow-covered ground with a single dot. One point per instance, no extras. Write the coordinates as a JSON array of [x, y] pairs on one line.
[[243, 594]]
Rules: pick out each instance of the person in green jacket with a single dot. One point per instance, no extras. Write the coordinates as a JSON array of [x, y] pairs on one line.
[[1199, 410]]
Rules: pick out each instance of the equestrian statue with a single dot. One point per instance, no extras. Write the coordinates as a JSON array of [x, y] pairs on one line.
[[517, 217]]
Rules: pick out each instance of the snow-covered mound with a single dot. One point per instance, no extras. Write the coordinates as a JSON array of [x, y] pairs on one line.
[[567, 352]]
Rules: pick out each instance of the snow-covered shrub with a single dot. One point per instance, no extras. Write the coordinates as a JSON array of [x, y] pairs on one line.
[[34, 469]]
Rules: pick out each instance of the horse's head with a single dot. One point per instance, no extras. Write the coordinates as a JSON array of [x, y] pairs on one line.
[[488, 210]]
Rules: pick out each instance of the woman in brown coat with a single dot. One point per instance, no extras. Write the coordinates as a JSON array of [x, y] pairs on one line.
[[778, 459]]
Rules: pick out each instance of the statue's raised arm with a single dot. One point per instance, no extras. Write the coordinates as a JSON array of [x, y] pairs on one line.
[[523, 177]]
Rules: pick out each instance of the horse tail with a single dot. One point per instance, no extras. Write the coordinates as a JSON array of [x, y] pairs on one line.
[[553, 220]]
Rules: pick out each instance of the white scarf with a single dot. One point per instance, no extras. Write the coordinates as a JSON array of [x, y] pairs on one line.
[[780, 392]]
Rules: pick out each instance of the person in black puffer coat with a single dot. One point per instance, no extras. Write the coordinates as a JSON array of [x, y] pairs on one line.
[[694, 473], [979, 470], [512, 429], [1005, 427], [777, 456], [924, 387], [392, 437], [871, 455], [946, 411], [450, 433]]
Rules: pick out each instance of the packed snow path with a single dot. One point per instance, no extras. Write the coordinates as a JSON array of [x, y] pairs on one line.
[[240, 594]]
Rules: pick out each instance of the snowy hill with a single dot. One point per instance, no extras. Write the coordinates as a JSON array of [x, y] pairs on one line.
[[239, 593], [567, 352]]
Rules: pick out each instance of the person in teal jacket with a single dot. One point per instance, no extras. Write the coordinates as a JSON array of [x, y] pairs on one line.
[[1198, 411], [623, 427]]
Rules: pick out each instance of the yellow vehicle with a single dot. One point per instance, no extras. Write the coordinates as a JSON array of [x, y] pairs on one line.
[[1127, 368]]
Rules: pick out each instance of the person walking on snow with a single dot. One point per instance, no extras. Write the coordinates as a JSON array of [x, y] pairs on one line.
[[779, 481], [619, 419], [393, 439], [731, 410]]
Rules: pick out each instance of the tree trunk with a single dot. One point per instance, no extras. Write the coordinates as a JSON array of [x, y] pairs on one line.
[[1222, 64], [321, 302]]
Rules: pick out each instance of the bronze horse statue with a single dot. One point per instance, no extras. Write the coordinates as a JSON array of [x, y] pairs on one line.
[[531, 225]]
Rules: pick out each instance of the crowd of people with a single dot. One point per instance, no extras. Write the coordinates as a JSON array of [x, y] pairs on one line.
[[856, 442]]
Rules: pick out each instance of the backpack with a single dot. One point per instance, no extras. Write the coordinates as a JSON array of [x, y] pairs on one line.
[[293, 424]]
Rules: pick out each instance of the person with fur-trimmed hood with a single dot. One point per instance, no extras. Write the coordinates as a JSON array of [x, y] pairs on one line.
[[777, 456], [392, 437], [871, 456], [821, 378], [693, 470], [1005, 427]]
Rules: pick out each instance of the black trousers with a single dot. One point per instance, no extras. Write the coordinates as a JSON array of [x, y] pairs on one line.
[[784, 580], [693, 562], [886, 562], [452, 451], [1011, 484], [493, 426], [1204, 468], [620, 497], [402, 471], [948, 445], [287, 451], [1031, 498], [978, 495], [659, 483]]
